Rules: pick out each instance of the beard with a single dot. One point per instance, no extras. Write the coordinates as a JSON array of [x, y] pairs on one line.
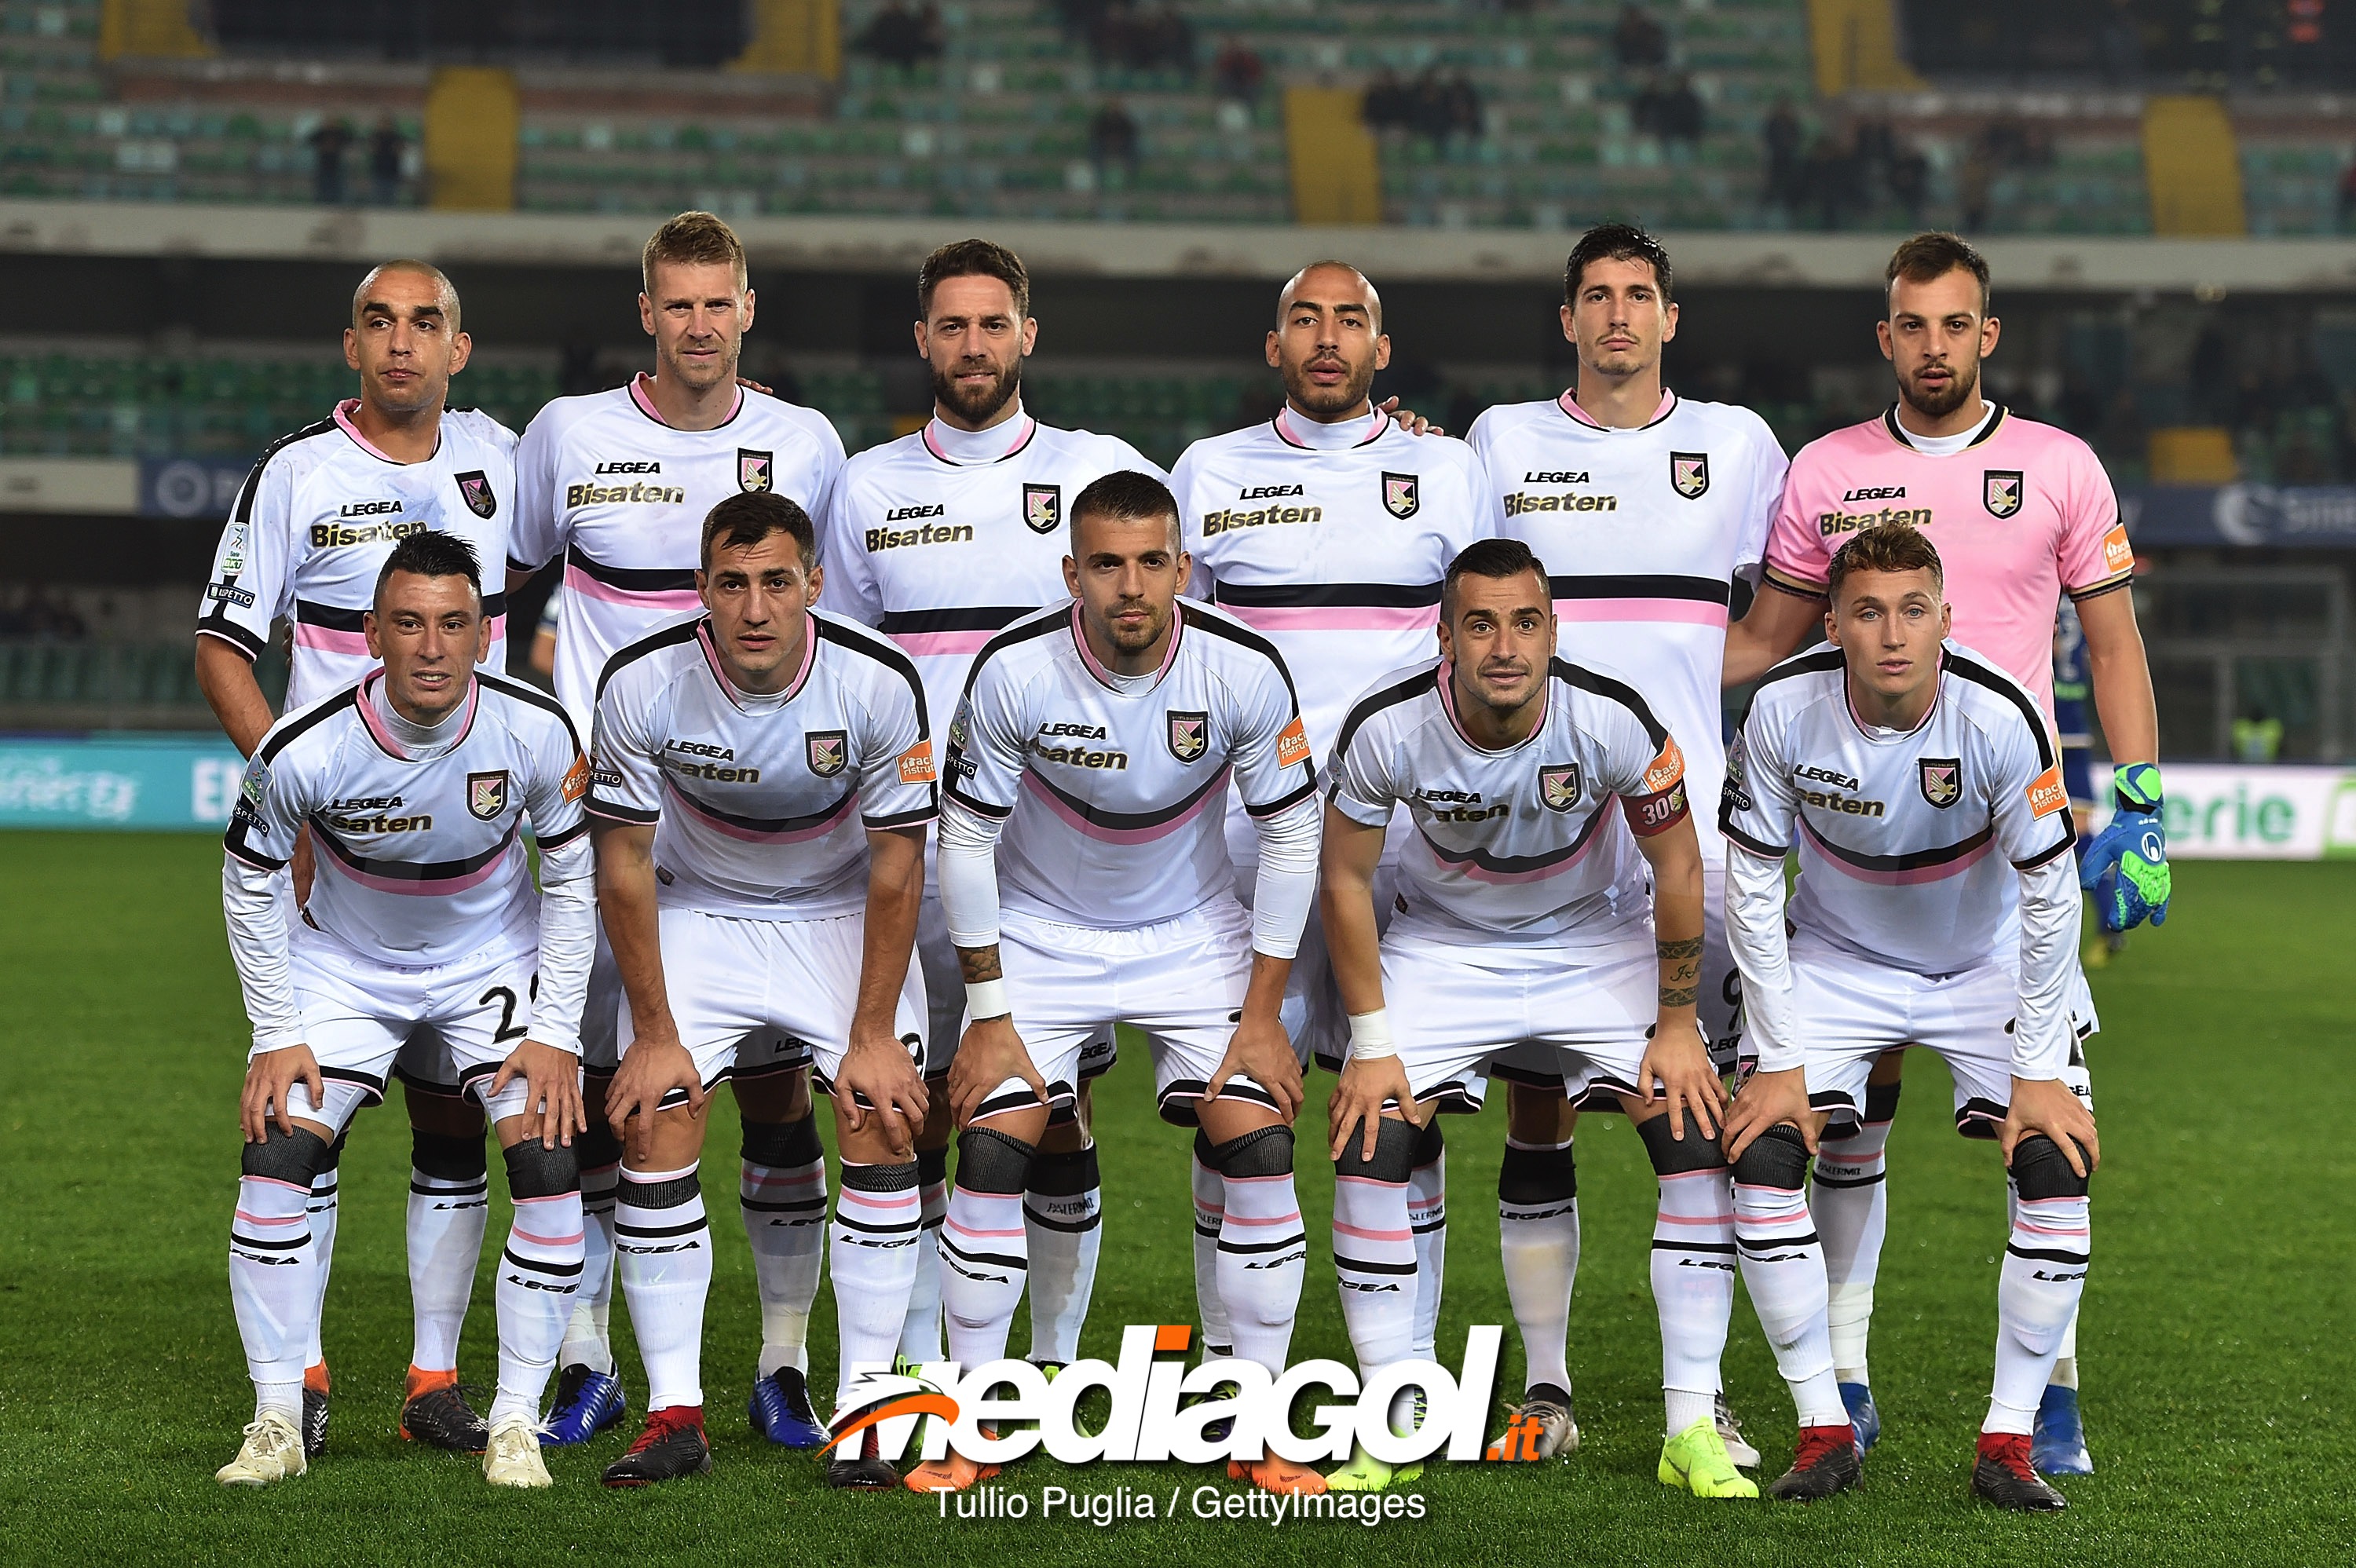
[[1963, 384], [1328, 402], [1138, 640], [976, 406]]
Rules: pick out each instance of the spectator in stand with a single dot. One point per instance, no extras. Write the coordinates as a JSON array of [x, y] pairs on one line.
[[1390, 104], [1238, 72], [1167, 40], [385, 150], [1637, 40], [1461, 105], [1113, 137], [1975, 188], [898, 35], [1785, 139], [1829, 178], [49, 620], [1671, 110], [329, 144]]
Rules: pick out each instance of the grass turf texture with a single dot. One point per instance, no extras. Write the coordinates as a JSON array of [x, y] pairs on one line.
[[2216, 1341]]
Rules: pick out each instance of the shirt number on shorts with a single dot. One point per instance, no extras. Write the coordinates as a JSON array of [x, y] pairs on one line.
[[507, 1000]]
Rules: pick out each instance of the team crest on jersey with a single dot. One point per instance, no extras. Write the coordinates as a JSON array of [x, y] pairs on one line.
[[1690, 474], [1943, 779], [2003, 490], [1400, 495], [1042, 507], [1559, 786], [1190, 735], [475, 489], [755, 471], [487, 795], [830, 750]]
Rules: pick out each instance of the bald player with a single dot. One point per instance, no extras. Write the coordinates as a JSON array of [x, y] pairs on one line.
[[314, 524]]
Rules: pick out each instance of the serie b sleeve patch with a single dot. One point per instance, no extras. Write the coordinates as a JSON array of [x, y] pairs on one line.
[[576, 778], [1293, 744], [916, 765], [2046, 794], [1665, 770], [2118, 555]]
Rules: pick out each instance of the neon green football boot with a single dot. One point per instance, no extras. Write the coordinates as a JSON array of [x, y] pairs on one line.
[[1365, 1473], [1695, 1461]]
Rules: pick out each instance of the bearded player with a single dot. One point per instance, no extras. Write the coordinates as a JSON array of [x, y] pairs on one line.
[[1648, 506], [619, 482], [941, 540], [1328, 530], [424, 941], [312, 525], [2022, 515]]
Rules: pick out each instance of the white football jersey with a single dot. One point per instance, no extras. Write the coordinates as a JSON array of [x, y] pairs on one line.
[[764, 802], [1115, 786], [421, 860], [315, 520], [623, 496], [1514, 847], [1642, 532], [1908, 841], [943, 537], [1331, 541]]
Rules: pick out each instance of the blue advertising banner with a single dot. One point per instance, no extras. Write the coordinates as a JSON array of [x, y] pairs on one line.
[[161, 781], [2313, 516], [190, 487]]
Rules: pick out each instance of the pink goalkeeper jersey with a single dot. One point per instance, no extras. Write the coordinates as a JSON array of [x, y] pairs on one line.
[[2021, 515]]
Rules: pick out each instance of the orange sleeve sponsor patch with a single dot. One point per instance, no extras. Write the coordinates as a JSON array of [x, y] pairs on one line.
[[916, 765], [1291, 744], [1667, 769], [2118, 554], [2046, 794], [576, 779]]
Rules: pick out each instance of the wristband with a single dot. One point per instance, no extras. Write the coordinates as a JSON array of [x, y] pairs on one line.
[[987, 999], [1370, 1036]]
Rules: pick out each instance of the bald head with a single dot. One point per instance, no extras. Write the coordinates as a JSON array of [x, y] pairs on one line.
[[372, 289], [1334, 285]]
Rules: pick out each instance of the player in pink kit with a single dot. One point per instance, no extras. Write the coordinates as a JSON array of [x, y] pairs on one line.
[[2022, 515]]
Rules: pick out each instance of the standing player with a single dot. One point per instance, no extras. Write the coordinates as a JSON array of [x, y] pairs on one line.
[[1649, 506], [941, 540], [1327, 531], [1936, 907], [424, 942], [763, 779], [1099, 738], [312, 525], [2023, 516], [1522, 915], [619, 482]]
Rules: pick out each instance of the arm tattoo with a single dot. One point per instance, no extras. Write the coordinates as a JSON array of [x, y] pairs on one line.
[[1689, 947], [1681, 964], [1682, 996], [979, 964]]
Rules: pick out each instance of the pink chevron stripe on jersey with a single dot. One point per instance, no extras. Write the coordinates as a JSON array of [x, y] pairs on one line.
[[665, 599], [833, 820], [1213, 796], [1693, 611], [1335, 617], [327, 640], [959, 645], [1914, 877]]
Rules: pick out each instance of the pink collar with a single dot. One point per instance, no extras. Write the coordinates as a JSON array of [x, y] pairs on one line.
[[1105, 677], [736, 695], [1024, 426], [1446, 675], [645, 400], [344, 412], [364, 701], [1287, 430], [1568, 403]]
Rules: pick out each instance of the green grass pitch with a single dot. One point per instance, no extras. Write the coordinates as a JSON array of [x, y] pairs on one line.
[[2217, 1337]]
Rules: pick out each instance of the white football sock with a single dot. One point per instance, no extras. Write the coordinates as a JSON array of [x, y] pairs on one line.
[[1063, 1214], [1538, 1242], [878, 1222], [662, 1251], [782, 1190], [274, 1288], [1375, 1261], [1263, 1257], [985, 1257], [2036, 1294], [1693, 1284], [323, 1213], [1210, 1214], [1783, 1270], [1426, 1215], [539, 1274], [449, 1208], [1850, 1200], [588, 1337], [920, 1335]]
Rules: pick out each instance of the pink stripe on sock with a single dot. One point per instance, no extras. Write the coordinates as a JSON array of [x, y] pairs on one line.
[[1366, 1236], [572, 1241]]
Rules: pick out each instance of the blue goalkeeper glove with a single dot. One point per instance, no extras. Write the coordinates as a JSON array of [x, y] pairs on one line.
[[2125, 868]]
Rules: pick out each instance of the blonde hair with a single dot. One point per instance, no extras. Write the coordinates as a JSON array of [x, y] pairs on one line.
[[694, 239]]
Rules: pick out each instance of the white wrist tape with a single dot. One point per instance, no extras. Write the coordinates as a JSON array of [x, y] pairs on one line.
[[986, 999], [1370, 1036]]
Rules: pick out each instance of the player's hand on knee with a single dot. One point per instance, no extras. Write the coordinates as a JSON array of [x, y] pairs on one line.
[[1767, 1100], [991, 1053], [2046, 1105], [1261, 1051], [267, 1078], [552, 1081], [651, 1068], [1356, 1105], [877, 1070], [1677, 1062]]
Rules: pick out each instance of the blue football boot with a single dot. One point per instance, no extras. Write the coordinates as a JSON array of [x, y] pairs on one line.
[[2060, 1445], [1862, 1415], [780, 1409], [587, 1403]]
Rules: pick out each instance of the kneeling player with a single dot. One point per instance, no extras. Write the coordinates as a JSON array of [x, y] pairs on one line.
[[414, 786], [1099, 739], [763, 777], [1522, 915], [1901, 767]]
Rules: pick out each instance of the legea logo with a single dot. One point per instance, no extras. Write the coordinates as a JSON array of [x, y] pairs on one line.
[[1004, 1411]]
